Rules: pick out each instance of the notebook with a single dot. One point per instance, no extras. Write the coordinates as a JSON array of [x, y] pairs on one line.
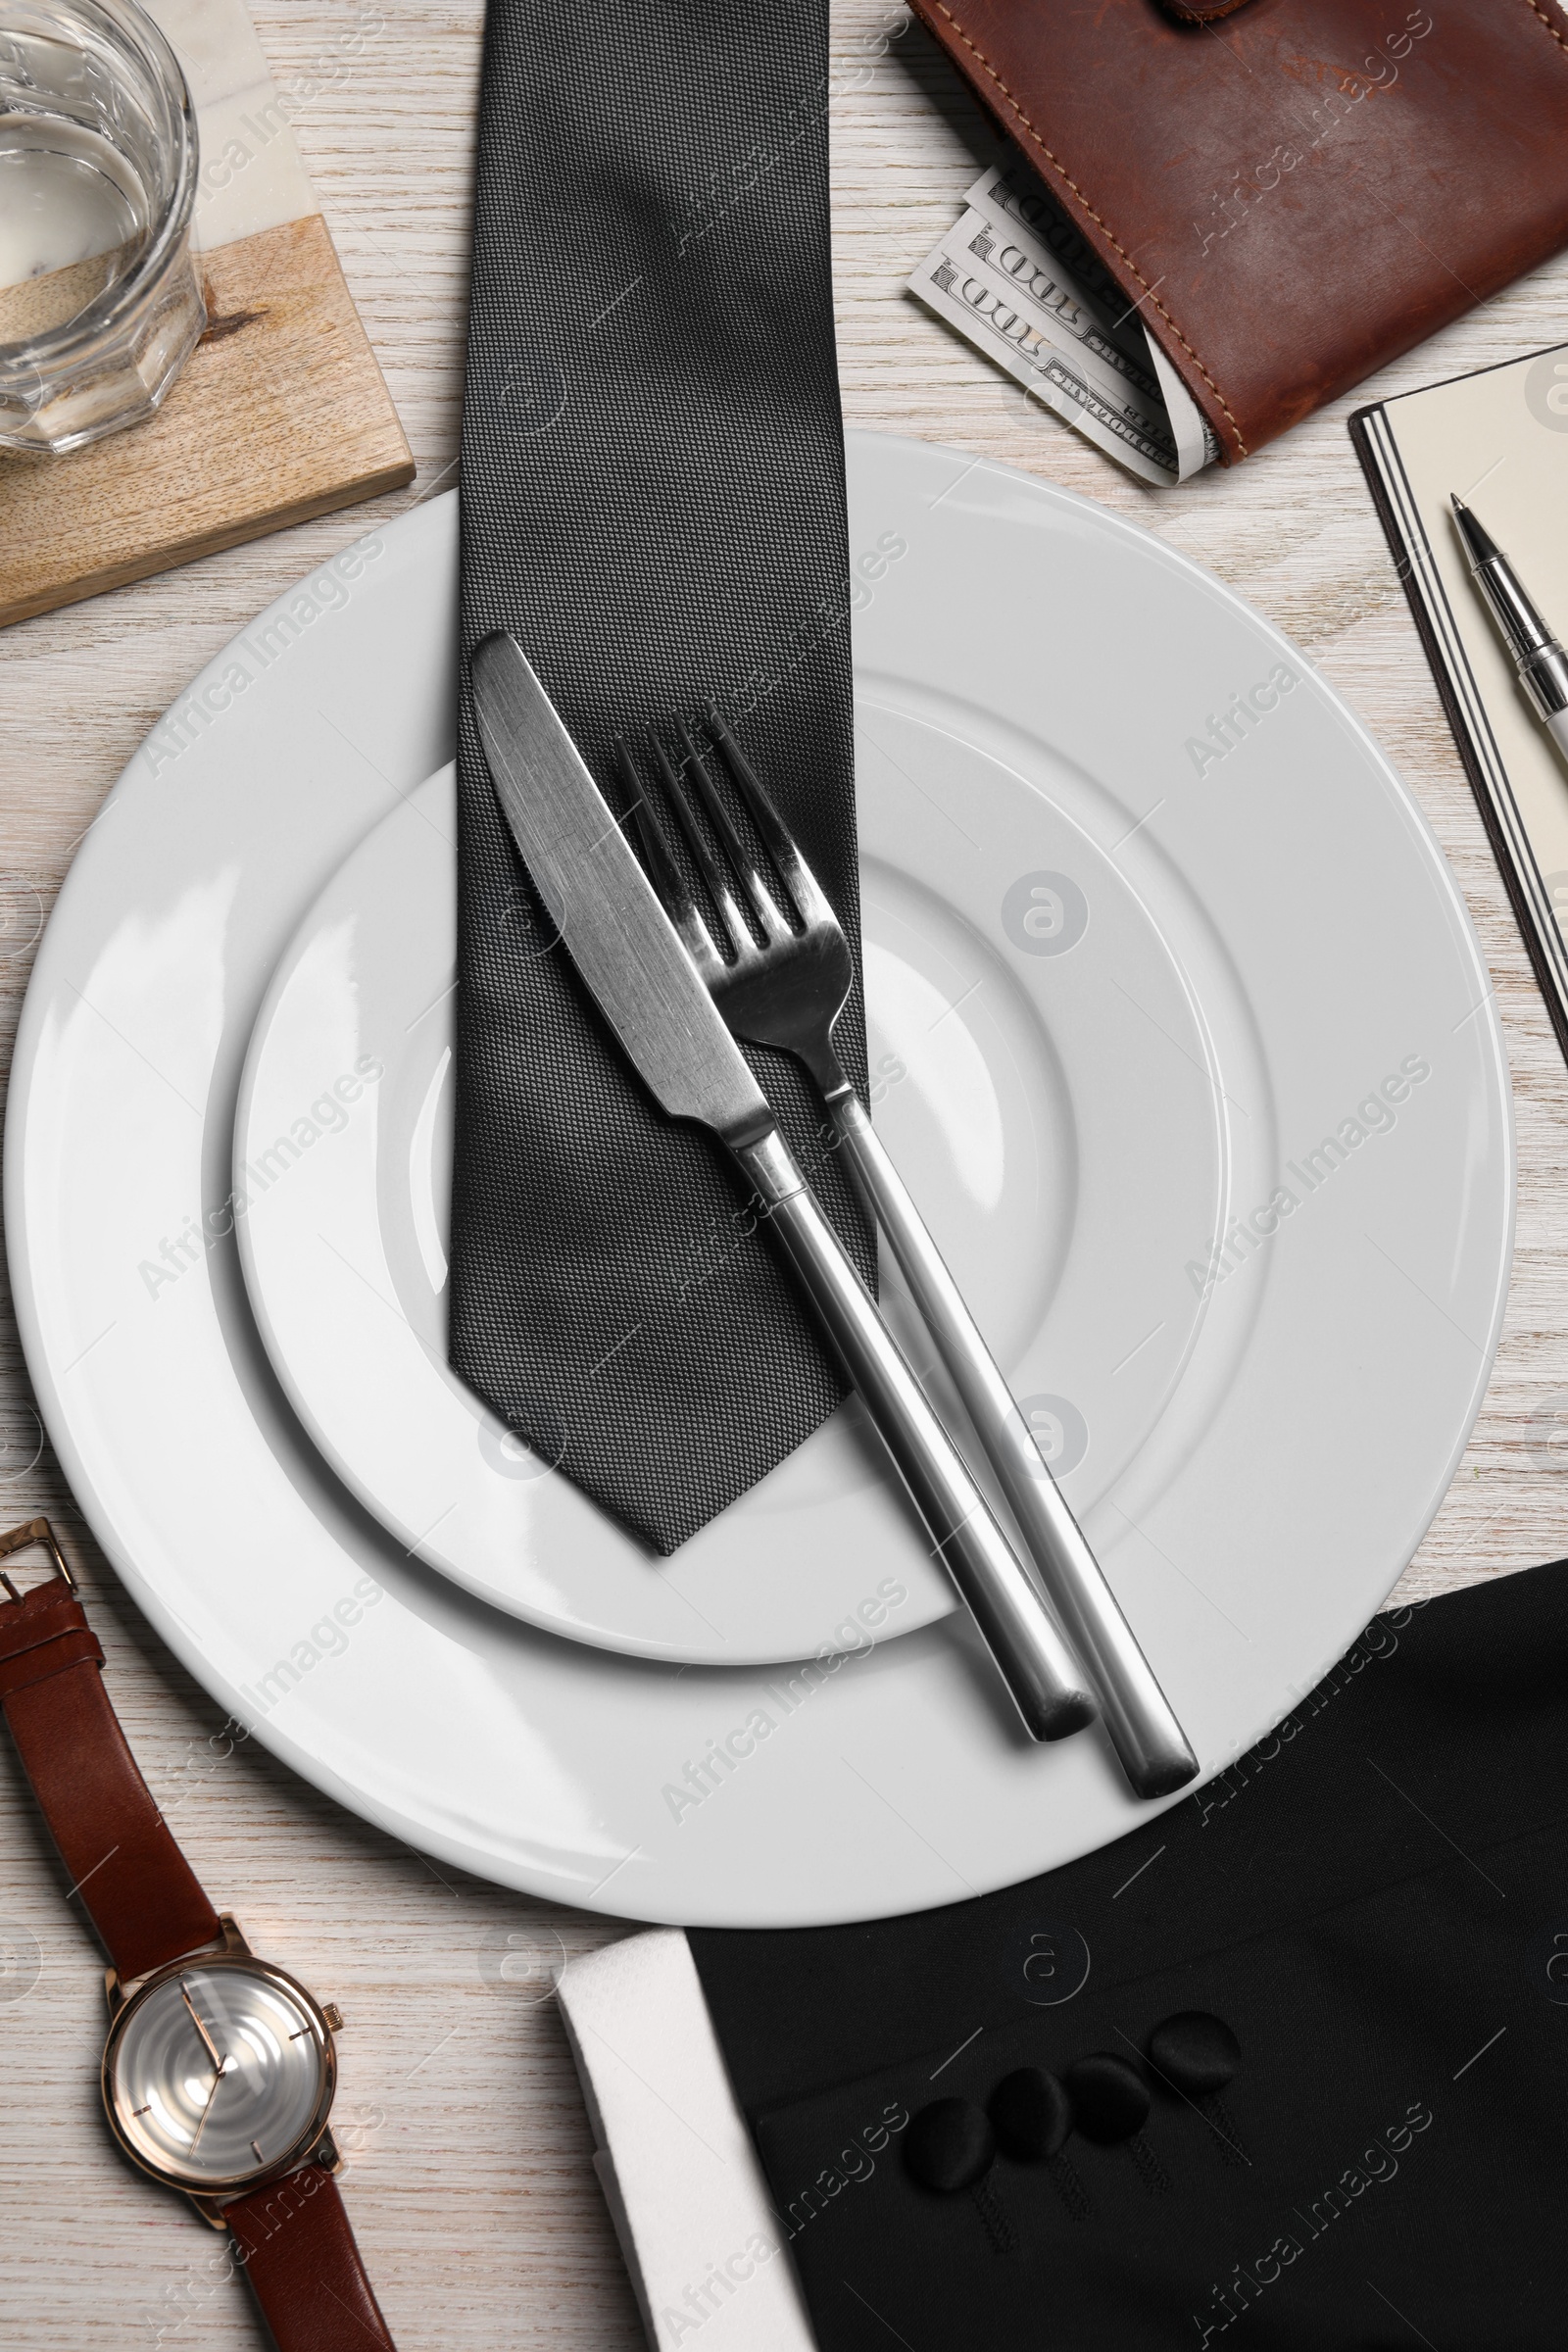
[[1500, 439]]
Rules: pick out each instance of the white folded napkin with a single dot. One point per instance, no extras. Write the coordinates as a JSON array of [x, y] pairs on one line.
[[703, 2246]]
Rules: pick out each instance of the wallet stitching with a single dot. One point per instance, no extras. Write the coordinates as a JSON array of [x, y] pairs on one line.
[[1554, 29], [1069, 181]]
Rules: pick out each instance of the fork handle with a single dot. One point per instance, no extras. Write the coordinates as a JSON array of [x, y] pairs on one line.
[[1154, 1749], [1045, 1680]]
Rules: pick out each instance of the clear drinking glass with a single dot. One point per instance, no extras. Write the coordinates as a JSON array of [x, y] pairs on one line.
[[99, 304]]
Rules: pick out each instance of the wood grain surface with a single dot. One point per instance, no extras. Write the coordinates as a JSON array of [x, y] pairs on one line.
[[470, 2182], [279, 414]]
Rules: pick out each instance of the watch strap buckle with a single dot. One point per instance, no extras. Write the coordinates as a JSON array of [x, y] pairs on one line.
[[18, 1538]]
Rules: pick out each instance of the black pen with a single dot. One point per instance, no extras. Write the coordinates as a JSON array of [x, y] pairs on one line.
[[1539, 659]]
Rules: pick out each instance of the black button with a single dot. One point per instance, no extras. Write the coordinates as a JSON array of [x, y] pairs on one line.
[[1108, 2099], [1031, 2114], [950, 2145], [1195, 2052]]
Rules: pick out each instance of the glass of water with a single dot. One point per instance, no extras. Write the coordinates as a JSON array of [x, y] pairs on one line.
[[99, 304]]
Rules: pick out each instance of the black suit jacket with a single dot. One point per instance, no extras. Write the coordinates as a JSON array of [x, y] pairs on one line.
[[1370, 1911]]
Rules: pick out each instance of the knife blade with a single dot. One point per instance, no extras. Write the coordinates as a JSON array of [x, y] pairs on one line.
[[603, 905]]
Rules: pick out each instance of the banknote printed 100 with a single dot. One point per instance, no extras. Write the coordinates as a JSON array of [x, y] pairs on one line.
[[1019, 283]]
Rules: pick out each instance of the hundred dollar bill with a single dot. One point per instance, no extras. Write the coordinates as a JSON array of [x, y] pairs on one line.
[[1055, 301], [1044, 254], [1075, 382], [1014, 200], [1056, 308], [1015, 197]]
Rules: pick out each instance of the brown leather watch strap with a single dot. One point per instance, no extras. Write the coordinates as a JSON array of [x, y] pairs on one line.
[[138, 1886], [299, 2254]]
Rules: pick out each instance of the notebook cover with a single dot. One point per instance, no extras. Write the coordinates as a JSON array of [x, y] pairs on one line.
[[1500, 434], [1293, 192]]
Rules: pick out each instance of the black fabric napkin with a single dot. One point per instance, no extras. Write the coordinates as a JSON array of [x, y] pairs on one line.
[[653, 502], [1314, 2022]]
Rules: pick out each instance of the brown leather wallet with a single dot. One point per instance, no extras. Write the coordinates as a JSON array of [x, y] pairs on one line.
[[290, 2231], [1292, 191]]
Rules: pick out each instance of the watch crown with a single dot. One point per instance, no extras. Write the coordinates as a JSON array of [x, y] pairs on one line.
[[334, 2017]]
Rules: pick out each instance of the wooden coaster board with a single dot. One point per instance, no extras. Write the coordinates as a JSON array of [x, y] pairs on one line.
[[279, 414]]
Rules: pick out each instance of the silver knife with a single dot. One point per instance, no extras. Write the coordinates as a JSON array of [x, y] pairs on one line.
[[651, 993]]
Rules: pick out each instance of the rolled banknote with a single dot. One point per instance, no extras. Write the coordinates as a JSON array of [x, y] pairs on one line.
[[1060, 370], [1015, 200], [1132, 401], [1012, 194], [1054, 298]]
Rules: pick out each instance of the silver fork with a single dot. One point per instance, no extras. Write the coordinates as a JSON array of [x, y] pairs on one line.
[[787, 993]]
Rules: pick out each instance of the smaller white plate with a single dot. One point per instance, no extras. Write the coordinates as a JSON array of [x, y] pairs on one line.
[[1029, 1114]]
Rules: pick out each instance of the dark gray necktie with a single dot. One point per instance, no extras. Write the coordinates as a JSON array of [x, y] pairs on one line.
[[653, 502]]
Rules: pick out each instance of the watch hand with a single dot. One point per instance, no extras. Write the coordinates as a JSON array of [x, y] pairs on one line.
[[208, 2109], [211, 2047]]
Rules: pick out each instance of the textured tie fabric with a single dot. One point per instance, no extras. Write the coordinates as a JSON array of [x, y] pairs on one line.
[[653, 503]]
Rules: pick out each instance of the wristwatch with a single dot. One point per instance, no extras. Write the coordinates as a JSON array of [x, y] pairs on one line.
[[219, 2068]]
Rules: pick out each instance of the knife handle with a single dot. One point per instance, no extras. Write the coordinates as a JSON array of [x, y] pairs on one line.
[[1154, 1749], [1047, 1685]]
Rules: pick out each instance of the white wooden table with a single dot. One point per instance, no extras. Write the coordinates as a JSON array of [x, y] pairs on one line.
[[470, 2182]]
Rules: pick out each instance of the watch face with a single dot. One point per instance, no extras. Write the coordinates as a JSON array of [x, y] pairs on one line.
[[216, 2072]]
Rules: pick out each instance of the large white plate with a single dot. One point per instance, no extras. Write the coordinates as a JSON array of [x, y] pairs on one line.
[[1335, 1372], [992, 1075]]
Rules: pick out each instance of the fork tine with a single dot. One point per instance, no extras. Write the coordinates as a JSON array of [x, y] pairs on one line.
[[712, 873], [775, 922], [664, 875], [810, 898]]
